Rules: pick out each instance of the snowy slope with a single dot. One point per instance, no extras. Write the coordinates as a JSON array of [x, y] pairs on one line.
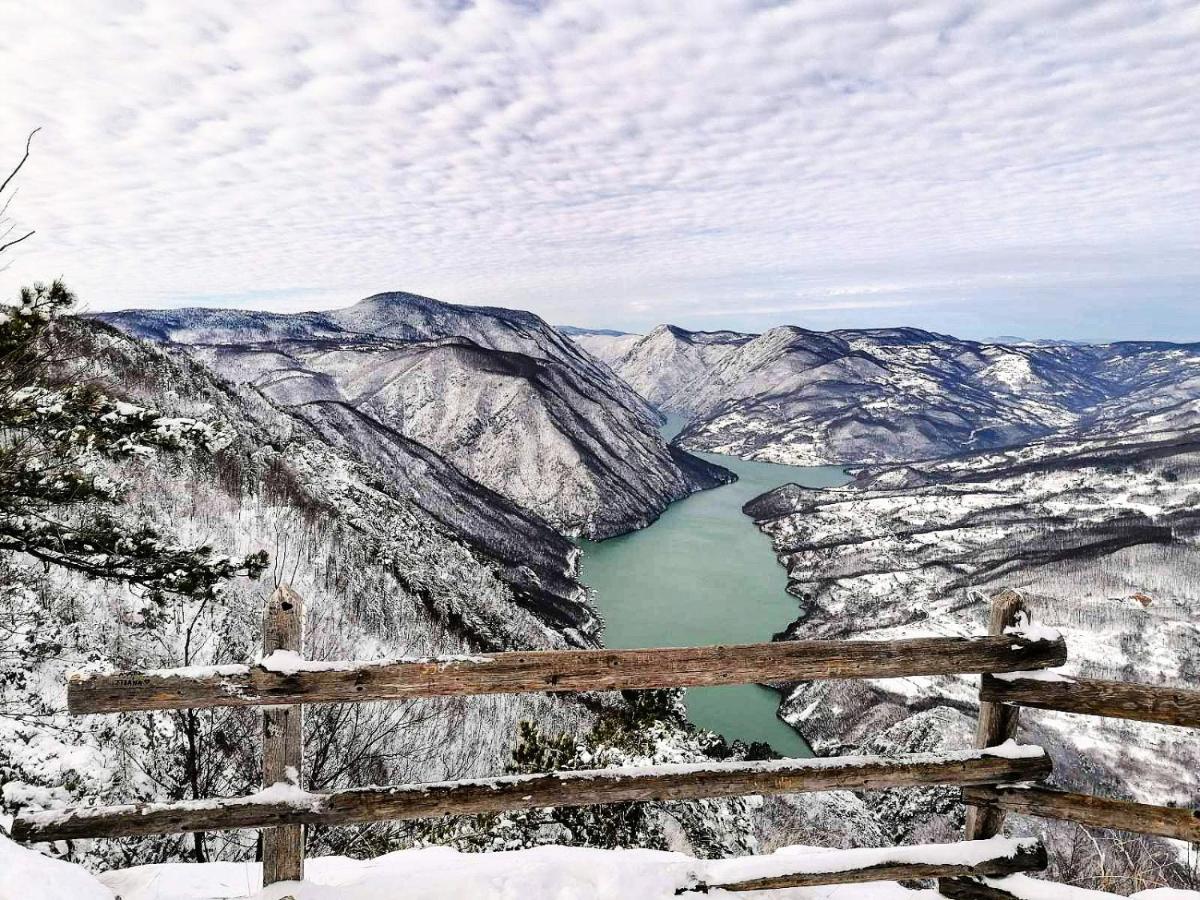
[[1102, 534], [508, 399], [670, 364]]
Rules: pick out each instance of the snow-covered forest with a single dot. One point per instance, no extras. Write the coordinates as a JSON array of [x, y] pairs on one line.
[[382, 577]]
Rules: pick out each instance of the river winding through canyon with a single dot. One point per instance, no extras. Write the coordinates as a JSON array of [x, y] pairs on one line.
[[703, 574]]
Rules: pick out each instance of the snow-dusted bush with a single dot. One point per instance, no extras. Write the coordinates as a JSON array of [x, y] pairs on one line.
[[646, 729]]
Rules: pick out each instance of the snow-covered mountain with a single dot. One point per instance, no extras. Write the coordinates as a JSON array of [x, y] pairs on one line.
[[670, 365], [1101, 532], [804, 397], [505, 397]]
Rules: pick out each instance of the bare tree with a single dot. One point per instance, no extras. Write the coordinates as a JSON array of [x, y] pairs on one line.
[[7, 226]]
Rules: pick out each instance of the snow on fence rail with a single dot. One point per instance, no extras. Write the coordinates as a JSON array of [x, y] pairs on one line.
[[284, 678], [1093, 697], [284, 804]]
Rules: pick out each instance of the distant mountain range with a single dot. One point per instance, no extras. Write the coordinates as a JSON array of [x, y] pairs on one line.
[[804, 397], [503, 396], [1038, 342]]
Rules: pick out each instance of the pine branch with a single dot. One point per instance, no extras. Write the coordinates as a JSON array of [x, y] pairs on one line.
[[53, 441]]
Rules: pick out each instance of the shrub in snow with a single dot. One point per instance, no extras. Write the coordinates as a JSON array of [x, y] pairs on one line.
[[644, 730]]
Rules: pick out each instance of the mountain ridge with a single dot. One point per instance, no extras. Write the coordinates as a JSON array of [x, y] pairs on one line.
[[511, 401], [885, 395]]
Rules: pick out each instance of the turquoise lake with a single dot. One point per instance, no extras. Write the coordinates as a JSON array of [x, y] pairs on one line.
[[704, 574]]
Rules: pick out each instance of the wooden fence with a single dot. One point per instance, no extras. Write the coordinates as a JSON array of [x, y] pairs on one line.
[[1007, 658]]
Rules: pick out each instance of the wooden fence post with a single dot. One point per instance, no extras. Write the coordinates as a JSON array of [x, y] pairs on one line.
[[283, 738], [997, 721]]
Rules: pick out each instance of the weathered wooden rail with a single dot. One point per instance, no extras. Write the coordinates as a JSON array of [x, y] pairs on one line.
[[1007, 658], [517, 792], [285, 679], [1093, 697], [1178, 823], [974, 859]]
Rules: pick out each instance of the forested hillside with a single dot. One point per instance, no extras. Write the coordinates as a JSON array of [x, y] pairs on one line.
[[1099, 533], [507, 399]]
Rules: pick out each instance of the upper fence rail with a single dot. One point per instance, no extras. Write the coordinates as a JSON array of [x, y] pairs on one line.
[[284, 679]]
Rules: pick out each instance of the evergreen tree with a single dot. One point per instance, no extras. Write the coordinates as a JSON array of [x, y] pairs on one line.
[[66, 445], [58, 503]]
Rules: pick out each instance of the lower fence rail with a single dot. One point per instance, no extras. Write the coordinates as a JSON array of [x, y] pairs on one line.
[[284, 804], [974, 889], [1020, 887], [996, 856]]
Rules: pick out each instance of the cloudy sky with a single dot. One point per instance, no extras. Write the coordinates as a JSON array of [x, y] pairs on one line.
[[1013, 167]]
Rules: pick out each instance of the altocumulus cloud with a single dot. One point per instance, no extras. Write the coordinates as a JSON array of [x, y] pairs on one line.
[[618, 162]]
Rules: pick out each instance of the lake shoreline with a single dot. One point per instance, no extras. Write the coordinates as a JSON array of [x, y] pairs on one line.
[[703, 574]]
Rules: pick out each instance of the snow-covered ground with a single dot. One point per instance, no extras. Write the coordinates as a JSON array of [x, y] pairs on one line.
[[431, 873], [438, 873]]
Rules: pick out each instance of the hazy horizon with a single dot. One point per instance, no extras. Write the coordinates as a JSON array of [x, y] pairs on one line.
[[970, 168], [699, 326]]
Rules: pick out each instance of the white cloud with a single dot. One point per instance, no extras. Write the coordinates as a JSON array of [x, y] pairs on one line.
[[587, 159]]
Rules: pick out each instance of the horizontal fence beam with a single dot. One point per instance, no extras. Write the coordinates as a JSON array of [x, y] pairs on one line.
[[969, 888], [280, 805], [991, 857], [1093, 697], [555, 670], [1180, 823]]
